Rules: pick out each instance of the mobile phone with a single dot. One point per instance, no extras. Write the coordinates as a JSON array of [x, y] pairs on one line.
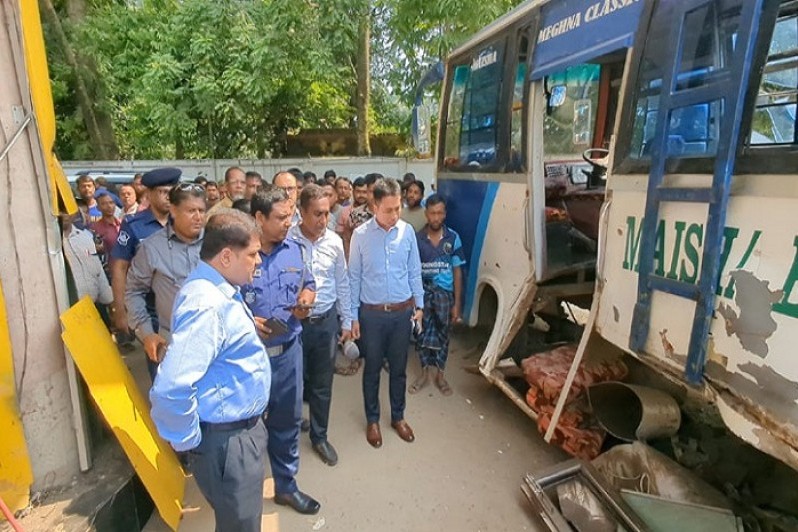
[[278, 327], [299, 307]]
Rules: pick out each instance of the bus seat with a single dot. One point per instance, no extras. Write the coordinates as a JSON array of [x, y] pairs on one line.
[[584, 209]]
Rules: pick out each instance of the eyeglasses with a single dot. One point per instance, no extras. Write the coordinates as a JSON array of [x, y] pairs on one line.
[[188, 187], [289, 189]]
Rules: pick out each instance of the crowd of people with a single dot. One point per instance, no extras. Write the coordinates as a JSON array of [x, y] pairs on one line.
[[244, 293]]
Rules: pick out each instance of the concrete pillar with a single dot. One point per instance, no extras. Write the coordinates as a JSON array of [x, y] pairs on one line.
[[27, 241]]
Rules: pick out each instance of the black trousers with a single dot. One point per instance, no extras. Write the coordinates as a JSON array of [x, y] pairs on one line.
[[230, 467], [384, 335], [149, 299], [319, 338]]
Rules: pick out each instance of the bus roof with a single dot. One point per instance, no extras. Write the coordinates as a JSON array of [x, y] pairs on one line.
[[572, 31], [499, 24]]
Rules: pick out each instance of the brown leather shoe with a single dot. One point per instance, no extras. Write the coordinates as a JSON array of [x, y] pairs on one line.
[[404, 430], [373, 435]]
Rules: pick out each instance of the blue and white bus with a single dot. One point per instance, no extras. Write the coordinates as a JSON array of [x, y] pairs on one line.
[[638, 158]]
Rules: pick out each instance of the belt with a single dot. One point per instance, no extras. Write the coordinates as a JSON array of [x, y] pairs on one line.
[[389, 307], [312, 320], [231, 425]]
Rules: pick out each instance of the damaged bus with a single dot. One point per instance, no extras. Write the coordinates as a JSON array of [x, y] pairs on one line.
[[637, 158]]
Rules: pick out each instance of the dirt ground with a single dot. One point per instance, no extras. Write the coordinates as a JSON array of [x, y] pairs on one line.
[[462, 473]]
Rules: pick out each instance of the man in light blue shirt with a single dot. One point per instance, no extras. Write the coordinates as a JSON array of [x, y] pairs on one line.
[[324, 257], [387, 298], [212, 388]]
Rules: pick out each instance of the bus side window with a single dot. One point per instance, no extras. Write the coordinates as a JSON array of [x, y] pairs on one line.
[[774, 120], [454, 116], [709, 40], [517, 162], [472, 120]]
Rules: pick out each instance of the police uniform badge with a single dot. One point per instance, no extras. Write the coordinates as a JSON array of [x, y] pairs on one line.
[[249, 297], [123, 238]]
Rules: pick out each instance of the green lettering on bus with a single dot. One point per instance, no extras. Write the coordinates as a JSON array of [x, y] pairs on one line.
[[730, 234], [632, 244], [659, 250], [729, 292], [784, 306], [692, 243], [679, 226]]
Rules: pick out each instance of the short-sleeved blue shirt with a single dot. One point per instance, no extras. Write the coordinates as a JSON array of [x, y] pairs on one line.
[[437, 262], [277, 281], [133, 230]]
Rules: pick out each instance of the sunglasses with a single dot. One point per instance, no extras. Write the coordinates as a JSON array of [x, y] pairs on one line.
[[188, 187]]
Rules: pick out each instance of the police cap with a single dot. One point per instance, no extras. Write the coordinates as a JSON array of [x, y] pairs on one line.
[[161, 177], [102, 192]]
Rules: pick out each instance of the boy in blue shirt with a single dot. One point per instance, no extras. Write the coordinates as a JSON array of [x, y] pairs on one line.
[[442, 256]]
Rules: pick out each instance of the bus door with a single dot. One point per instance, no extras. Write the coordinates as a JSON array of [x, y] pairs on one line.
[[577, 70]]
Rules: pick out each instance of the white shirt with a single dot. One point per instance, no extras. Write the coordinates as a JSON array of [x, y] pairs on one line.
[[87, 270], [296, 218], [326, 260], [132, 210], [335, 212]]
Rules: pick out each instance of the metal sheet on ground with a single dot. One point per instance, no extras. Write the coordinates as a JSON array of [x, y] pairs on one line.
[[124, 408], [15, 468]]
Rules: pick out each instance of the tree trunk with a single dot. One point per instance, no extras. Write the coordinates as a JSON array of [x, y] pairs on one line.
[[76, 10], [98, 123], [105, 125], [363, 69], [180, 148]]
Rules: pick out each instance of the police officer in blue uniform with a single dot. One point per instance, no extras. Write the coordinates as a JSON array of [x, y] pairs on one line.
[[281, 295], [134, 229]]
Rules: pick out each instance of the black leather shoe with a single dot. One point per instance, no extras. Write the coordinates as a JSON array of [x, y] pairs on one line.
[[305, 426], [302, 503], [326, 452]]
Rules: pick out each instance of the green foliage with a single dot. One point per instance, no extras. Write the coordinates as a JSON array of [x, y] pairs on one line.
[[230, 78], [211, 79]]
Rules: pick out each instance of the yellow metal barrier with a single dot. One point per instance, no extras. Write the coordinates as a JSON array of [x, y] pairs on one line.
[[16, 475], [42, 98], [125, 410]]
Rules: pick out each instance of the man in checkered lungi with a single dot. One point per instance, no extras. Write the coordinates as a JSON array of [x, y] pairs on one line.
[[441, 258]]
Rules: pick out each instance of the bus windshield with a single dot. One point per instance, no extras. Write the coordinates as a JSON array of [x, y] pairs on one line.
[[572, 102]]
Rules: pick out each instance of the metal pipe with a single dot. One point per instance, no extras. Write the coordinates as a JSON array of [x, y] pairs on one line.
[[632, 412], [10, 516], [15, 137]]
